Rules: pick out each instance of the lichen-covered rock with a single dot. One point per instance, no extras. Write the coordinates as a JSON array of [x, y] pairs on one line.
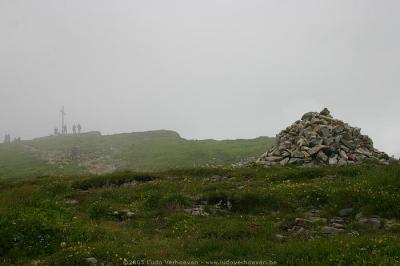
[[320, 140]]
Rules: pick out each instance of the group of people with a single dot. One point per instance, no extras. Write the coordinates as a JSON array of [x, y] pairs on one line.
[[76, 129], [7, 139]]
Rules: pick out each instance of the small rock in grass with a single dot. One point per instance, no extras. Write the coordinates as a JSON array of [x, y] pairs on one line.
[[392, 225], [280, 238], [130, 214], [346, 212], [300, 221], [338, 220], [338, 226], [317, 220], [359, 216], [331, 230], [197, 211], [370, 223], [91, 261], [72, 202], [300, 231]]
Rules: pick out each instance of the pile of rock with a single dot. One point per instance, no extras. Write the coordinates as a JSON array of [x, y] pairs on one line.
[[318, 140]]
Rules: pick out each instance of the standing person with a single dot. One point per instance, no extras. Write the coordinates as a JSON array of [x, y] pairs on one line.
[[79, 128], [55, 131], [7, 139], [65, 130], [74, 129]]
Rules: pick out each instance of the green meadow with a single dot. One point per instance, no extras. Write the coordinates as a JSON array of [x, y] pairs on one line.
[[202, 215]]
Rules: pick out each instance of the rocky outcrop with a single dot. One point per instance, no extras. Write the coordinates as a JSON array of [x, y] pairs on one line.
[[320, 140]]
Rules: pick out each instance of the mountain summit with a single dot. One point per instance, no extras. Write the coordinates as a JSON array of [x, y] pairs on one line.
[[319, 140]]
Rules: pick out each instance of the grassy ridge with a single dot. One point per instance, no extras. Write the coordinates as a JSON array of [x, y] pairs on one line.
[[63, 221], [94, 153]]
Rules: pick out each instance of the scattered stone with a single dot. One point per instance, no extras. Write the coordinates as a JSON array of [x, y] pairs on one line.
[[338, 226], [346, 212], [124, 214], [280, 238], [359, 216], [354, 233], [331, 230], [229, 205], [319, 140], [129, 184], [72, 202], [317, 220], [300, 231], [313, 216], [91, 261], [130, 214], [373, 223], [392, 225], [215, 178], [197, 211], [338, 220]]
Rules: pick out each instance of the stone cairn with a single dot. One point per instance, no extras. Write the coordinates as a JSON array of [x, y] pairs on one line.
[[320, 140]]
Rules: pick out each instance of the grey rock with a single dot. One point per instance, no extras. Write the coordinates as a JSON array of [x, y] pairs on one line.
[[91, 261], [331, 230], [392, 225], [324, 132], [338, 226], [322, 156], [333, 160], [300, 231], [294, 160], [348, 144], [337, 220], [316, 149], [346, 212], [298, 154], [343, 154], [373, 223], [280, 238], [314, 219], [130, 214], [308, 116], [198, 211], [273, 158], [71, 202], [325, 112], [284, 161]]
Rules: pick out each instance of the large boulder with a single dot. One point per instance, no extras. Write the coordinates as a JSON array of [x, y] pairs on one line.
[[320, 140]]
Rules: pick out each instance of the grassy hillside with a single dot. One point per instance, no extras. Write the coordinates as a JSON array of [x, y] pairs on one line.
[[323, 216], [97, 154]]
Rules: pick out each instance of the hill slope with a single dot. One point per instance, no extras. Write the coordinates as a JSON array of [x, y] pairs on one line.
[[97, 154]]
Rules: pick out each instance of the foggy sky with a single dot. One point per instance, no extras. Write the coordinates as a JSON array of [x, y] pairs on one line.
[[205, 68]]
